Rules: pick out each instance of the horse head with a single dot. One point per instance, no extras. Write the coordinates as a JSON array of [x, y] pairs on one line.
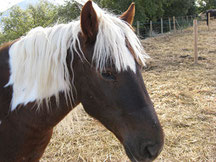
[[110, 83]]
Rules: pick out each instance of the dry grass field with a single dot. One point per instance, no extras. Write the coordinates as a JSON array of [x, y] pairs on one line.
[[184, 96]]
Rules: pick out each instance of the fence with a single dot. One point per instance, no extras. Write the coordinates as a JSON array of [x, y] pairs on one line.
[[164, 25]]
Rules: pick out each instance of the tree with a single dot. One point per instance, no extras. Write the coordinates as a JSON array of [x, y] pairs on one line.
[[145, 9], [210, 4], [43, 14], [21, 21], [16, 24], [69, 11], [206, 5], [179, 7], [152, 9], [1, 38]]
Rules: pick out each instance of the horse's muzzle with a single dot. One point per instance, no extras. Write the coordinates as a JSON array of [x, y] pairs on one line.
[[143, 151]]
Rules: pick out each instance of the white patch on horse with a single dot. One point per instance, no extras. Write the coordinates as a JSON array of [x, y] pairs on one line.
[[0, 122], [38, 60]]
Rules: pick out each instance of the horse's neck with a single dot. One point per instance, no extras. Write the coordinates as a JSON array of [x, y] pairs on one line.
[[39, 118], [30, 116], [5, 93], [26, 131], [42, 117]]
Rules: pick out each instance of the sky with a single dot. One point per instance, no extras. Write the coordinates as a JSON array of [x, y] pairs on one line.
[[5, 4]]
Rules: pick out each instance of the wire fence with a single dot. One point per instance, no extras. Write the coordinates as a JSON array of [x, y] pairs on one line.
[[164, 25]]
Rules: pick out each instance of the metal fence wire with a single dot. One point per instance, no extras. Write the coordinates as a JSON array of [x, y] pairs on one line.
[[163, 25]]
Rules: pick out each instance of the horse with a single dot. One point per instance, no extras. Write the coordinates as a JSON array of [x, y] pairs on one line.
[[96, 61], [212, 14]]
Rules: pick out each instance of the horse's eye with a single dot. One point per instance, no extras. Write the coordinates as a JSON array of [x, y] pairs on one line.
[[108, 76]]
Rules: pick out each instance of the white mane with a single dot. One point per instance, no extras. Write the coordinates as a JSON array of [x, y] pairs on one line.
[[38, 60]]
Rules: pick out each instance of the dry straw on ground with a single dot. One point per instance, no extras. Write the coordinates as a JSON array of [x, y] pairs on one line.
[[184, 96]]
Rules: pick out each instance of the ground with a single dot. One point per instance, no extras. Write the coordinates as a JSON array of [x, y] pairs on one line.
[[184, 95]]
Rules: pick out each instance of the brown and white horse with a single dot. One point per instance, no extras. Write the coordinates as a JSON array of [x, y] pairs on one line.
[[95, 61]]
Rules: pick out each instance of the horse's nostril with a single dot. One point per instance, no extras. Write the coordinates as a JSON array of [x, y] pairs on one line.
[[152, 151]]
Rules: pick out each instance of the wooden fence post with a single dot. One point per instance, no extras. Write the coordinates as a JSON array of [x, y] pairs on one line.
[[170, 24], [174, 24], [138, 28], [161, 25], [209, 21], [195, 42], [151, 29]]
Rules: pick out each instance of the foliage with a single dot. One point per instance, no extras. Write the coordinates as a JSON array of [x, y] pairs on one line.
[[21, 21], [206, 5], [43, 14], [16, 24], [69, 11], [152, 9], [145, 9], [179, 8], [1, 38]]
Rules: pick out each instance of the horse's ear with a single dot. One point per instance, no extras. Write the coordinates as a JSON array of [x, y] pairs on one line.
[[128, 15], [89, 22]]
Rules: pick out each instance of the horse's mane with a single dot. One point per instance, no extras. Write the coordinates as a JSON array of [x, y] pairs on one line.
[[38, 60]]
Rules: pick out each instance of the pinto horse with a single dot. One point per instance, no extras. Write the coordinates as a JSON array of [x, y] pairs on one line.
[[95, 61]]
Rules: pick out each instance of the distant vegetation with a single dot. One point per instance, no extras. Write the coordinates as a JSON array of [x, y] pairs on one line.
[[21, 21], [206, 5], [46, 14]]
